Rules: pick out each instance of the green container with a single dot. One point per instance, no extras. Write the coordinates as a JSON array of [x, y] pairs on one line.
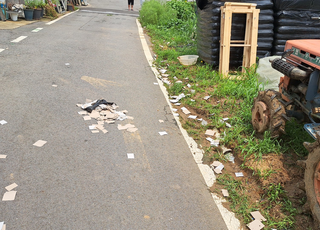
[[4, 11]]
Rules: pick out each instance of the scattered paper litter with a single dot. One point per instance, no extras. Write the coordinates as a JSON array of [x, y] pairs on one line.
[[177, 104], [257, 216], [130, 118], [2, 122], [67, 64], [54, 85], [161, 121], [176, 114], [3, 156], [204, 123], [177, 98], [92, 127], [206, 97], [216, 163], [10, 187], [174, 110], [40, 143], [225, 119], [155, 83], [82, 112], [255, 225], [220, 166], [100, 127], [192, 117], [86, 118], [130, 155], [229, 157], [95, 131], [210, 132], [79, 105], [239, 174], [200, 119], [192, 91], [179, 81], [165, 75], [225, 192], [228, 125], [9, 196], [163, 133], [162, 71], [188, 85], [185, 110], [218, 171], [122, 127], [104, 131], [132, 130], [2, 226], [213, 142]]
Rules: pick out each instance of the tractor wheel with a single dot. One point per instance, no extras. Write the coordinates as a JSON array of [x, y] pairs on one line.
[[312, 178], [268, 114]]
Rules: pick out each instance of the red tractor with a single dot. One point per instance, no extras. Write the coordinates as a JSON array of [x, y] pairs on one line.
[[299, 97]]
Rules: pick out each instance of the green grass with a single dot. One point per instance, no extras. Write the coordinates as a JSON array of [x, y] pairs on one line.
[[172, 29]]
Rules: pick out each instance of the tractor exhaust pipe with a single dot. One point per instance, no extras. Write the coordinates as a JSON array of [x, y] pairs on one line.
[[289, 69]]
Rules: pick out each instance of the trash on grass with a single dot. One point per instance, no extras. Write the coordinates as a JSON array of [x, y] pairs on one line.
[[206, 97], [213, 142], [225, 192], [215, 163], [239, 174], [185, 110], [229, 157], [255, 225], [177, 98], [210, 132], [204, 123], [192, 117], [257, 216]]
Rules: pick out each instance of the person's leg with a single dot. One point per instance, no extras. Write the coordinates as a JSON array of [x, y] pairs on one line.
[[132, 4]]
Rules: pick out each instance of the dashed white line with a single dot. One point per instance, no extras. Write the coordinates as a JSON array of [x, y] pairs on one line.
[[19, 39], [36, 30]]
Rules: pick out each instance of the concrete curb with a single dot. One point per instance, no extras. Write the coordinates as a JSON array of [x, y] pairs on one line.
[[229, 218]]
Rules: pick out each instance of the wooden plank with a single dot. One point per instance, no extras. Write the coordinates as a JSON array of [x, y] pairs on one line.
[[254, 38], [240, 45]]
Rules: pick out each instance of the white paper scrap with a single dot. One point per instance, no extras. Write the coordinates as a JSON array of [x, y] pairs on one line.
[[179, 82], [86, 118], [54, 85], [257, 216], [220, 166], [40, 143], [1, 225], [192, 117], [210, 132], [228, 125], [176, 114], [225, 119], [2, 122], [161, 121], [192, 100], [216, 163], [188, 85], [92, 127], [104, 131], [132, 129], [177, 104], [225, 192], [174, 110], [3, 156], [185, 110], [95, 131], [155, 83], [130, 155], [239, 174], [163, 133], [162, 71], [82, 112], [67, 64], [255, 225], [4, 227], [206, 97], [8, 196], [122, 127], [10, 187]]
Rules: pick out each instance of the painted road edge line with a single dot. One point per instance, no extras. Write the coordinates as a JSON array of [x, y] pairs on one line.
[[49, 23], [19, 39], [229, 217]]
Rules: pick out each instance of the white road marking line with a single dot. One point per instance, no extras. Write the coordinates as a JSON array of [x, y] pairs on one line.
[[19, 39], [49, 23], [36, 30], [229, 217], [1, 50]]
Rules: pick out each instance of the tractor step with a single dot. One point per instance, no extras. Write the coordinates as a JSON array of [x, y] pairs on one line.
[[312, 129]]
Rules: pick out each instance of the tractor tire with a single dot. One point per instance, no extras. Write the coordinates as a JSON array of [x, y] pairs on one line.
[[268, 114], [312, 179]]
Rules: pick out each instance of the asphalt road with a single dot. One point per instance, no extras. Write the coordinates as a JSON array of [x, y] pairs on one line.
[[79, 180]]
